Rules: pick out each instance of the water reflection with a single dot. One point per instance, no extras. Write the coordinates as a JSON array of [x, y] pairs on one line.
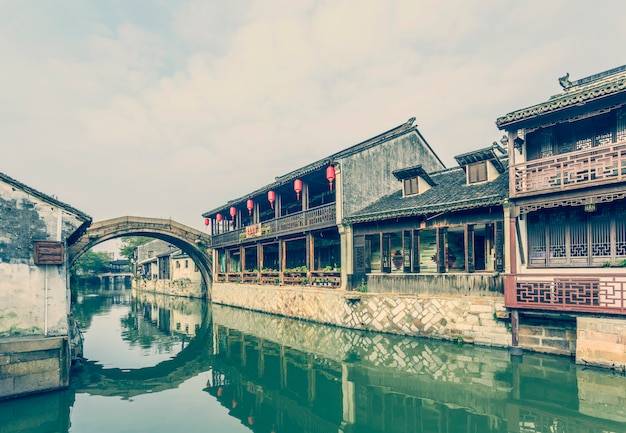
[[157, 364]]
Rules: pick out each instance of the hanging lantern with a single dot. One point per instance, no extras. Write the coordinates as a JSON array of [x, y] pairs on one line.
[[250, 206], [271, 196], [218, 217], [330, 175], [206, 221], [297, 187], [233, 212]]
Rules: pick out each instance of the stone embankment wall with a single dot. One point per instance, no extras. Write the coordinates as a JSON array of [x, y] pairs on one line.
[[29, 365], [182, 287], [470, 319]]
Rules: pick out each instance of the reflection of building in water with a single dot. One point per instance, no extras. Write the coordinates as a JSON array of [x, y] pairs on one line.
[[182, 316], [270, 386]]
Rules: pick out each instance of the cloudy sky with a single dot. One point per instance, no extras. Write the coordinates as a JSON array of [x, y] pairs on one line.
[[171, 108]]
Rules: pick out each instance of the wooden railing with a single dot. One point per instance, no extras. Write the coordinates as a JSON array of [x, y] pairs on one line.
[[330, 279], [319, 217], [599, 293], [597, 165]]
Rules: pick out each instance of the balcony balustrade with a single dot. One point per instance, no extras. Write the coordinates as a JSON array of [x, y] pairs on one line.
[[330, 279], [318, 217], [598, 293], [597, 165]]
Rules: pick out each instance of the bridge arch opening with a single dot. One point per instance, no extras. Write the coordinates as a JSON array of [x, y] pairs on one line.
[[192, 242]]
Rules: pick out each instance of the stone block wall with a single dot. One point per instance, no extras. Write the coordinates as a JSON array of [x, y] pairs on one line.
[[181, 287], [548, 335], [602, 341], [33, 365], [455, 318]]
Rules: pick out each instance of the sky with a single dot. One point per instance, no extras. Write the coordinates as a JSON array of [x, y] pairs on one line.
[[168, 109]]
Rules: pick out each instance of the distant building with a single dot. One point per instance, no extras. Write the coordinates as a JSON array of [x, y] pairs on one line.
[[164, 268]]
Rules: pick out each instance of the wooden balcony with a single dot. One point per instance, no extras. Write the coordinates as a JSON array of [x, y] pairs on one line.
[[316, 218], [567, 171], [599, 293], [329, 279]]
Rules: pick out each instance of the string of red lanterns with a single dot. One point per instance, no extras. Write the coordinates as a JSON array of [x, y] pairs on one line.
[[271, 195]]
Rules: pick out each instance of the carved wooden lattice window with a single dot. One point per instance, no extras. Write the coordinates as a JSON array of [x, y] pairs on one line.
[[547, 143], [620, 133], [537, 238], [576, 238]]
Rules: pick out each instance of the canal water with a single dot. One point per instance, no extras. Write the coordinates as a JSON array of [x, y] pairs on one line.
[[162, 364]]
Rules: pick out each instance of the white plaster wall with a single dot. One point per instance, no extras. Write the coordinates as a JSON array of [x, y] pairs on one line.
[[34, 299], [26, 307]]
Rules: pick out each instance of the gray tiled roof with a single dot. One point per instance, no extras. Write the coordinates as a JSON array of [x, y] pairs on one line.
[[451, 193], [399, 130], [574, 93]]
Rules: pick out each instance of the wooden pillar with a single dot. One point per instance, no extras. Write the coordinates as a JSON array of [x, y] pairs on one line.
[[282, 256], [441, 250], [499, 265], [310, 253], [305, 196], [470, 259], [416, 251]]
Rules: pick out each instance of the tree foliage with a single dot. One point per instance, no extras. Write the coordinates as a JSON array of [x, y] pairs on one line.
[[130, 243], [91, 263]]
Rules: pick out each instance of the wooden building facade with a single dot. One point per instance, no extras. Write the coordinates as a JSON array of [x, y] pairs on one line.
[[291, 231], [436, 224], [568, 199]]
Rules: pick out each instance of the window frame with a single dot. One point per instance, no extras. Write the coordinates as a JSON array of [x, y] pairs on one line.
[[477, 172]]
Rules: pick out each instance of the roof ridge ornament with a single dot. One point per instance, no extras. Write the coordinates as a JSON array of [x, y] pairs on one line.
[[565, 82]]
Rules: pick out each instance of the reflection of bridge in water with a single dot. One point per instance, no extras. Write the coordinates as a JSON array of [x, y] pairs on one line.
[[192, 360]]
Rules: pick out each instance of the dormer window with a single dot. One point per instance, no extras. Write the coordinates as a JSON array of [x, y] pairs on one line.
[[482, 165], [414, 180], [411, 186], [477, 172]]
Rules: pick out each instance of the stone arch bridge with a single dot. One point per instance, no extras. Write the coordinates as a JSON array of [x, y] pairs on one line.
[[191, 241]]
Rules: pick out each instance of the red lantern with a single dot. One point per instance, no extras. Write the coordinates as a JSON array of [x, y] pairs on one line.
[[206, 221], [330, 175], [218, 217], [250, 206], [233, 212], [297, 187], [271, 196]]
